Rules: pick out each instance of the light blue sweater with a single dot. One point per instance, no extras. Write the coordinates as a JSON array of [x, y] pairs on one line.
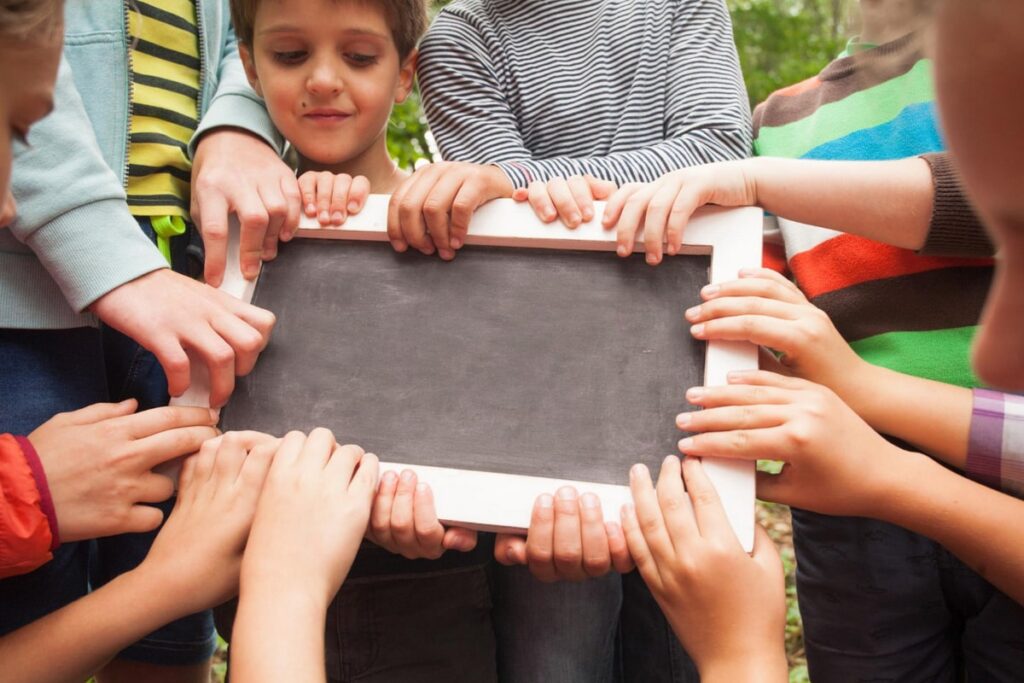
[[74, 239]]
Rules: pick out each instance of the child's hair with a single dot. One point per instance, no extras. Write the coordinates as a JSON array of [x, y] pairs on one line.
[[28, 19], [407, 20]]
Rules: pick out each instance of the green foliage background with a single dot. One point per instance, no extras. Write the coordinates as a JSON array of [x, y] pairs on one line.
[[780, 42]]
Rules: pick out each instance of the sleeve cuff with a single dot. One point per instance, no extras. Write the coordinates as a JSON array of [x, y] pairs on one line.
[[238, 110], [45, 500], [955, 228]]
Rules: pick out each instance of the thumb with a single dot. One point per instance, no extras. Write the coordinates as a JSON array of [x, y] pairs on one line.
[[765, 553], [510, 550]]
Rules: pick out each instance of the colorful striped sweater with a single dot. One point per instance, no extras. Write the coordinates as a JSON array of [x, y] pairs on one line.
[[910, 312]]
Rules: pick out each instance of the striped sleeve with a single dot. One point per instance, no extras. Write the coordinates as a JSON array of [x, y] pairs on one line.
[[995, 447], [707, 117]]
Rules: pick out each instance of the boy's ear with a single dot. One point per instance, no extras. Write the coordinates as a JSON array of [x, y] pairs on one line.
[[406, 77], [245, 52]]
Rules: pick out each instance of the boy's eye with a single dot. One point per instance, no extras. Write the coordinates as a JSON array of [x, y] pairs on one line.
[[360, 59], [290, 57]]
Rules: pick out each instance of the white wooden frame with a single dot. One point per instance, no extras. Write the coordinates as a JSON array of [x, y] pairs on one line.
[[467, 498]]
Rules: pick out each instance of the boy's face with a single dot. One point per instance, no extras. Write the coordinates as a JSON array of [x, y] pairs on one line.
[[329, 72], [979, 55], [28, 69]]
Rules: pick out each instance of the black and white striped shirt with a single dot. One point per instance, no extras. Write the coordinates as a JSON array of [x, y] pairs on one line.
[[625, 90]]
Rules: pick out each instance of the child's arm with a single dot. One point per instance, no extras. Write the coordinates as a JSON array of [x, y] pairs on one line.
[[765, 308], [727, 608], [193, 564], [568, 540], [312, 515], [888, 201], [837, 465], [975, 431]]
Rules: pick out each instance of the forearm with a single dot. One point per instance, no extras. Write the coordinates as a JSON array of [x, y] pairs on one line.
[[278, 634], [886, 201], [767, 666], [976, 523], [78, 639], [933, 416]]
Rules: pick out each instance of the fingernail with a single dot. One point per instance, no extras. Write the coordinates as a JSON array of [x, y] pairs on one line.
[[456, 243], [546, 501], [685, 443], [636, 471], [574, 217], [683, 419], [692, 313], [338, 217], [446, 254], [401, 246], [325, 217], [388, 477], [353, 207], [588, 214], [566, 493], [214, 414], [671, 249], [697, 330], [652, 260], [549, 215], [251, 272], [710, 290], [622, 251], [694, 393], [310, 209], [590, 501], [407, 475], [668, 460]]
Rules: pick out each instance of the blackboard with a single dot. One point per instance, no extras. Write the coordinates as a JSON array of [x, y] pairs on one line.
[[561, 364]]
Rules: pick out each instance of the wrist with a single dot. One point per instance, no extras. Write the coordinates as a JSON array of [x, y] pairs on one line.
[[767, 666], [499, 181], [287, 585], [896, 481]]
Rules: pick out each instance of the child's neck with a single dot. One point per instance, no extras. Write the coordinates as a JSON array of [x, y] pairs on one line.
[[374, 163], [883, 21]]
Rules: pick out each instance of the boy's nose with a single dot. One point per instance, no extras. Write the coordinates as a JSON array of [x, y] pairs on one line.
[[324, 80]]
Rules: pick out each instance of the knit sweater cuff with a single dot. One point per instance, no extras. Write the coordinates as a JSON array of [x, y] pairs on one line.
[[955, 228]]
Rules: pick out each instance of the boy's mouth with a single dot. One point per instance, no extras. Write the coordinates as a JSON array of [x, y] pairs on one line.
[[326, 115]]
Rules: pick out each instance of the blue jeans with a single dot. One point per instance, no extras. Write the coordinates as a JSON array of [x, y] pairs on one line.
[[599, 631], [45, 372], [880, 603]]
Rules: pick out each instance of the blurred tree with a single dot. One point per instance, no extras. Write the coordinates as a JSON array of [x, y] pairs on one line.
[[780, 42]]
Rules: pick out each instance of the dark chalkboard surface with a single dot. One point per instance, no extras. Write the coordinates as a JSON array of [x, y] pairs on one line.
[[562, 364]]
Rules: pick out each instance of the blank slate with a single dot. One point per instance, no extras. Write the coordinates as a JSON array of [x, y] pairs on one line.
[[547, 363]]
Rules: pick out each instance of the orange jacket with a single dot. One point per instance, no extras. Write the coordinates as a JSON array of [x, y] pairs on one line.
[[28, 525]]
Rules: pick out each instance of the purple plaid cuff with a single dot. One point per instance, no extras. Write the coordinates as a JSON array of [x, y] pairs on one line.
[[995, 448]]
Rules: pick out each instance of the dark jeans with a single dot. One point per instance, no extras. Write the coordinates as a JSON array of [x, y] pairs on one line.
[[880, 603]]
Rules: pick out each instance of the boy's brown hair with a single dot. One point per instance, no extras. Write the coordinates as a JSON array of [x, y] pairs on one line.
[[407, 20]]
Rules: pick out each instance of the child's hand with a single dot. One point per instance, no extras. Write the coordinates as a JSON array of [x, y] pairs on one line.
[[404, 522], [180, 320], [311, 517], [98, 463], [568, 540], [331, 198], [571, 200], [198, 553], [765, 308], [727, 608], [835, 463], [432, 208], [663, 208]]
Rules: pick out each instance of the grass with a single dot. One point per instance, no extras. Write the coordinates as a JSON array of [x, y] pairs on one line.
[[777, 521]]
